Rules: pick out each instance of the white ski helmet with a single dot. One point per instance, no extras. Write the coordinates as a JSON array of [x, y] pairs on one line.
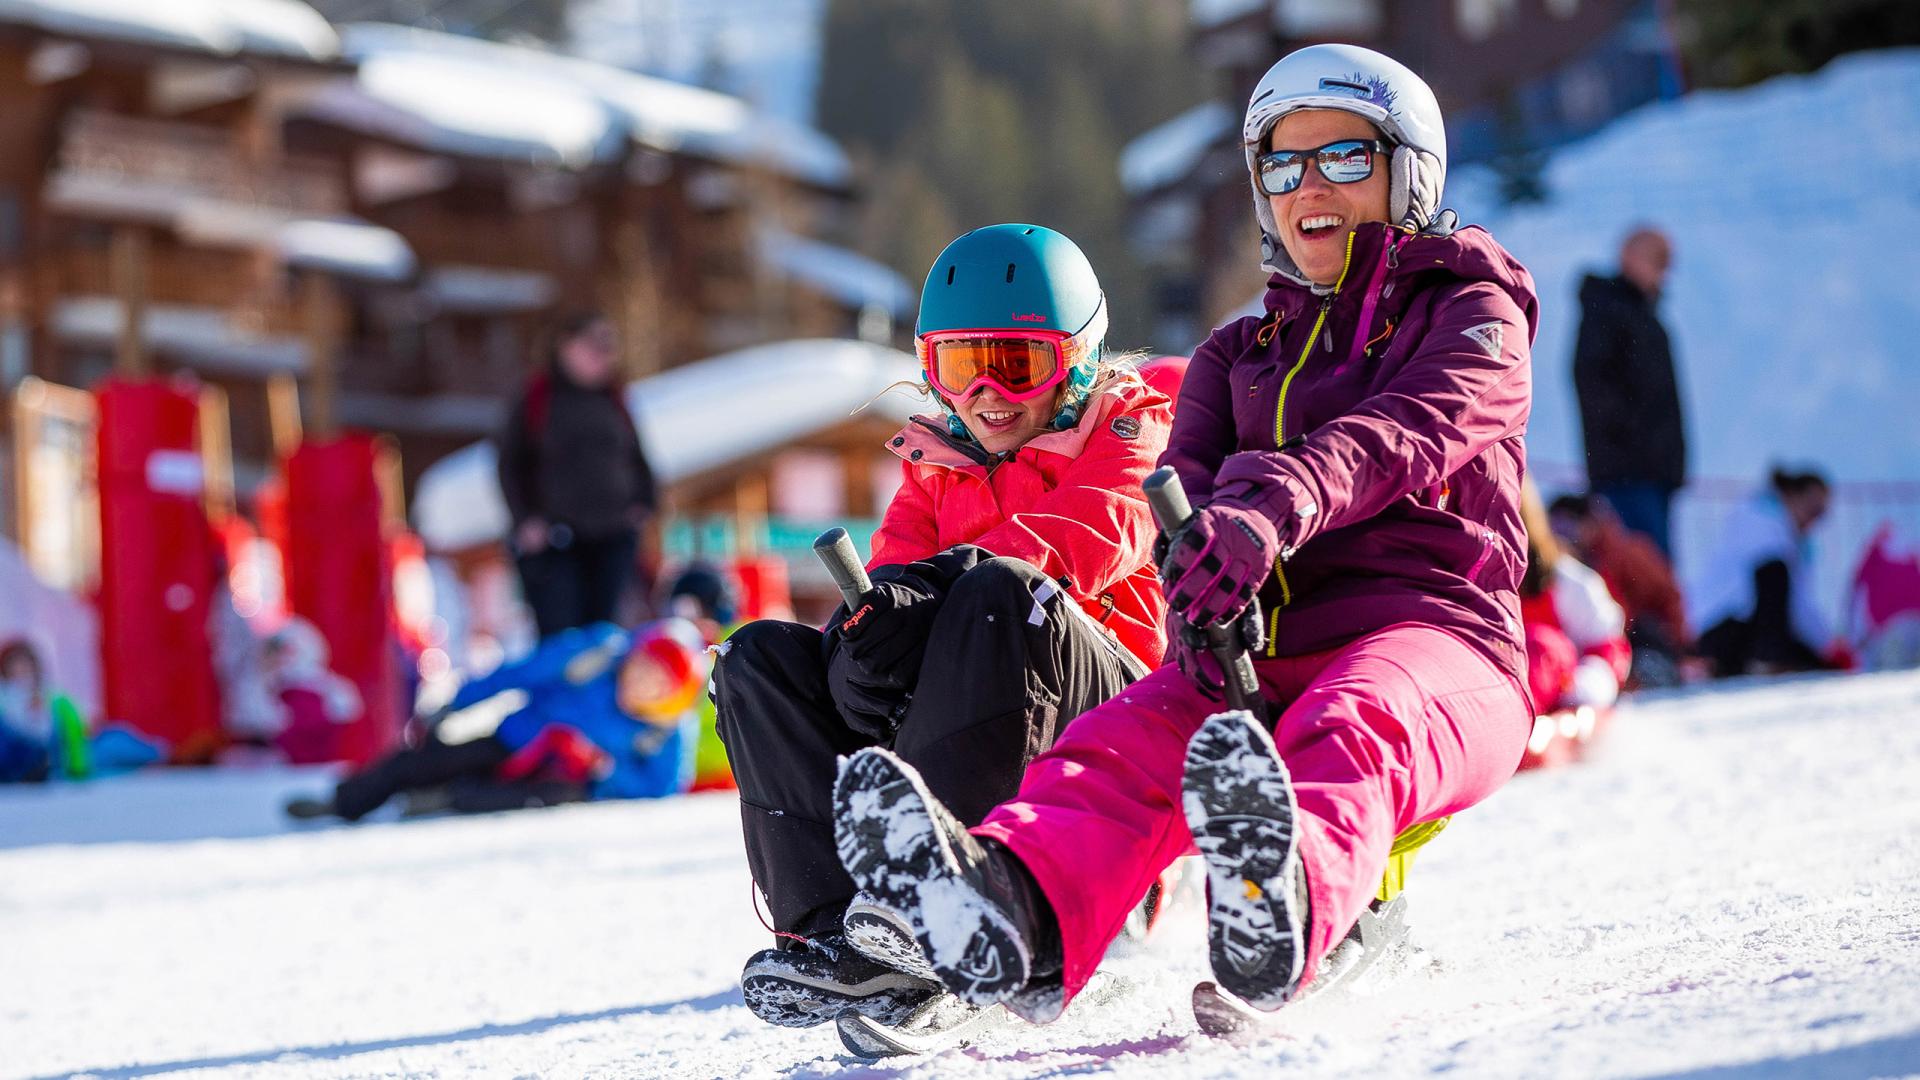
[[1366, 83]]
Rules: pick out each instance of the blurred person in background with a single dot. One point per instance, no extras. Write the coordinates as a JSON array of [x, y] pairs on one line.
[[1636, 438], [1013, 588], [595, 712], [576, 481], [1640, 579], [1577, 651], [1755, 594], [44, 737]]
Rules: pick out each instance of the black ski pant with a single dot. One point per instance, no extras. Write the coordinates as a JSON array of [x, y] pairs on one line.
[[461, 777], [1002, 674], [577, 584]]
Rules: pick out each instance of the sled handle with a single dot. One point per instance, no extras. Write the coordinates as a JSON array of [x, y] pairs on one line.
[[1171, 509], [835, 549]]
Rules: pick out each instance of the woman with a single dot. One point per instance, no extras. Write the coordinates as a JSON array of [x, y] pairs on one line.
[[1755, 597], [576, 482], [1016, 552], [1356, 458]]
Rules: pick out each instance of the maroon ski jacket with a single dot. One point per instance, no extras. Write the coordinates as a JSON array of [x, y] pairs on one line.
[[1379, 425]]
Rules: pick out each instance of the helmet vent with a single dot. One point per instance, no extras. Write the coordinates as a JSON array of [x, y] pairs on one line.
[[1009, 273], [1342, 84], [1029, 232], [950, 270]]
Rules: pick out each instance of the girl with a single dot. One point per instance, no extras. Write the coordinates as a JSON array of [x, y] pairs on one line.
[[1356, 457], [1012, 590]]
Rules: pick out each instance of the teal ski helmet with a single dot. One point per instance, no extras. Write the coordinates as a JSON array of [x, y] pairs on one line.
[[1017, 277]]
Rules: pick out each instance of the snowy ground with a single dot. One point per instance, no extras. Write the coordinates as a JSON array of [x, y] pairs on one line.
[[1727, 889]]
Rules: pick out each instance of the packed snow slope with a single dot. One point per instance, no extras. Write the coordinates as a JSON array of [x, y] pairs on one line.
[[1791, 302], [1726, 889]]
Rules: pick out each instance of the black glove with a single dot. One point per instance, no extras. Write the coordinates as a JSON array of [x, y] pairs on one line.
[[872, 709]]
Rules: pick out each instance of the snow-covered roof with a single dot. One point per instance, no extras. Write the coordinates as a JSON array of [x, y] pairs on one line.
[[341, 244], [458, 106], [847, 276], [481, 98], [454, 287], [346, 246], [1210, 13], [692, 419], [227, 27], [1168, 152], [201, 335]]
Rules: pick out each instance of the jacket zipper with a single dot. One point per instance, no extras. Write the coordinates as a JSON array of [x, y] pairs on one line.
[[1486, 552], [1280, 414]]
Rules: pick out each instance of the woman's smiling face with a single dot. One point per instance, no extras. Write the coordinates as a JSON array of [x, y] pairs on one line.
[[1316, 217]]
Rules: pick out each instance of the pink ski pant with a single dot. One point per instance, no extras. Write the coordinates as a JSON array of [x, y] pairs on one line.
[[1402, 726]]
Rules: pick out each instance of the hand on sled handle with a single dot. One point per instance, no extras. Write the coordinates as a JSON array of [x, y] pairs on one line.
[[1229, 643]]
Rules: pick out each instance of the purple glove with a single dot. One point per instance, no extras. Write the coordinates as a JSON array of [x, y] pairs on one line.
[[1216, 561], [1187, 647]]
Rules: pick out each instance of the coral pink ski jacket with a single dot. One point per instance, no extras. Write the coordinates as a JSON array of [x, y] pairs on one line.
[[1069, 502]]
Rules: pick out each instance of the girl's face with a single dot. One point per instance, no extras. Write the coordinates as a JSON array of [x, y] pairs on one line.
[[1002, 426], [1316, 217]]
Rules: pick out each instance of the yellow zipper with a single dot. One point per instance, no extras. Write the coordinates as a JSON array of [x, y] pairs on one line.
[[1280, 419], [1280, 413]]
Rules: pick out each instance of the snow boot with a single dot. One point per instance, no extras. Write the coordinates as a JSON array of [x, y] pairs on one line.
[[1239, 806], [977, 915], [885, 936], [813, 980]]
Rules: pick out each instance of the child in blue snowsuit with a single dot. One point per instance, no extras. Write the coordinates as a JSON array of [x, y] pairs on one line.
[[582, 733]]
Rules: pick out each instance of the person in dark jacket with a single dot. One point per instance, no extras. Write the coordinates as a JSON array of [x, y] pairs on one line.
[[1629, 397], [575, 480]]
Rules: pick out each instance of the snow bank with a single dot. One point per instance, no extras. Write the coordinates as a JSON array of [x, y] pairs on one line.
[[1791, 302], [693, 418], [1724, 891], [271, 27]]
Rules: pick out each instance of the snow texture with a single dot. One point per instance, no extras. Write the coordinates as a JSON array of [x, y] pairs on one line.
[[1725, 891], [466, 96], [1168, 152], [693, 418], [1791, 301], [284, 28]]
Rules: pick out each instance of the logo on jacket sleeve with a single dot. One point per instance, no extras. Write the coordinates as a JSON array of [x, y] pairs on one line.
[[1127, 427], [1488, 335]]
